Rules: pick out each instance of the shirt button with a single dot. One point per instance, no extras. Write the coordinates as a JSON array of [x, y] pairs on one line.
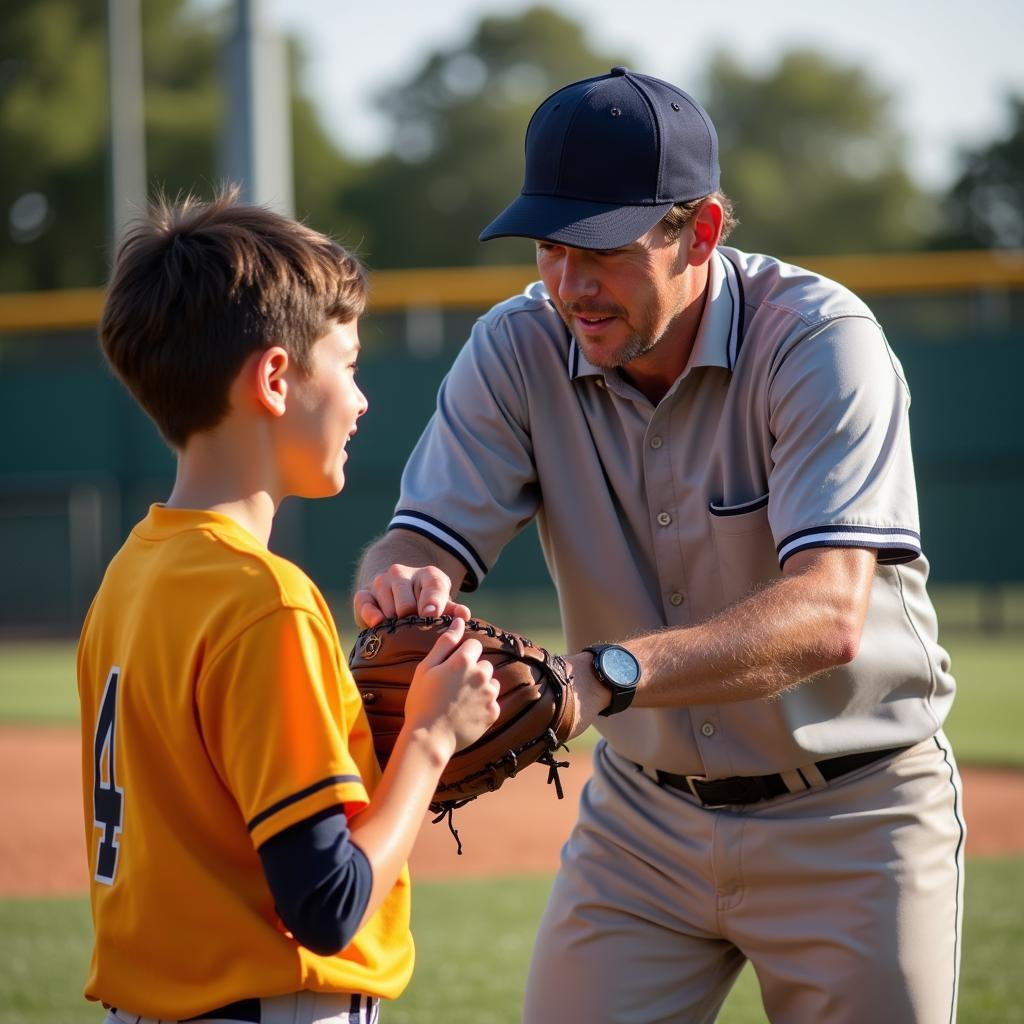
[[656, 442], [664, 518], [676, 599], [707, 729]]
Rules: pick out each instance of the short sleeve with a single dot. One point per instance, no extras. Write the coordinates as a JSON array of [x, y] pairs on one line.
[[470, 484], [842, 473], [271, 708]]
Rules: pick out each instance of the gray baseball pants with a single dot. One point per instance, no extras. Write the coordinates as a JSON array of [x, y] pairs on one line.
[[847, 900], [293, 1008]]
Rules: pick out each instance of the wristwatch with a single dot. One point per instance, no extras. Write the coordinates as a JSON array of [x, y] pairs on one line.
[[617, 669]]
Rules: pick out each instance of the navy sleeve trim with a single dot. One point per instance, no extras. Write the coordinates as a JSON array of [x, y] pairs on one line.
[[445, 537], [331, 780], [894, 545]]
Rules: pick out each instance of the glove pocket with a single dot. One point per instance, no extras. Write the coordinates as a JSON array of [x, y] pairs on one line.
[[519, 736], [384, 704], [382, 698]]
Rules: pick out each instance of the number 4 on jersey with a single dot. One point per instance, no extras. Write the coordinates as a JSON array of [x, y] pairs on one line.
[[107, 796]]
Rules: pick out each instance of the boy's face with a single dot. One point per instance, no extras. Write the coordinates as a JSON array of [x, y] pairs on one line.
[[321, 415]]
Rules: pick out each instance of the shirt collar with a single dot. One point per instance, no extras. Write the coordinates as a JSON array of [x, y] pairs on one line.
[[721, 327]]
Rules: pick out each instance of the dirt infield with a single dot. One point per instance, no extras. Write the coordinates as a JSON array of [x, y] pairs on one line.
[[42, 848]]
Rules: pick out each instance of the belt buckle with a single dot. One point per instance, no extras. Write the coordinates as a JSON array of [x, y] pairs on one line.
[[690, 780]]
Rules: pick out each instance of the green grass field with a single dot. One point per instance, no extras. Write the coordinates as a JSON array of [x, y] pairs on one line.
[[474, 937], [37, 685], [474, 941]]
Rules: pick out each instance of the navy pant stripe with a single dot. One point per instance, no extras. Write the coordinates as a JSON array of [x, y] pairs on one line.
[[957, 814]]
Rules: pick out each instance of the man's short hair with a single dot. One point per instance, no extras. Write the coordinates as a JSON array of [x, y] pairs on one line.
[[679, 216], [198, 287]]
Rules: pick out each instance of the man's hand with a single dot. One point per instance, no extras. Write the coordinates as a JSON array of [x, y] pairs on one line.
[[406, 590]]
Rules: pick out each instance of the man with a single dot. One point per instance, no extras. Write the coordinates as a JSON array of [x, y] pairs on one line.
[[715, 446]]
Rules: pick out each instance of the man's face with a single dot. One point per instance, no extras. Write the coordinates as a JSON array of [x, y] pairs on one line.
[[619, 303]]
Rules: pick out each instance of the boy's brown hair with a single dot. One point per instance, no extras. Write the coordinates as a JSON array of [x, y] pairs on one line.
[[197, 287]]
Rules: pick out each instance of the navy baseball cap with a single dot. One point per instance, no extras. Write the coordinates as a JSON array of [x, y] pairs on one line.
[[607, 158]]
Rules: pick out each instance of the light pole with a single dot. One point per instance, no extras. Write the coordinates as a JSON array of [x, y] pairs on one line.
[[257, 136], [127, 121]]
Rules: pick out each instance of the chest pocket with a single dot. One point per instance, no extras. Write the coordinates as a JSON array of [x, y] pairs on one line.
[[744, 547]]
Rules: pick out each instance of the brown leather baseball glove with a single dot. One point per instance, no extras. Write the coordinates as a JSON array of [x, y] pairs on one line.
[[537, 701]]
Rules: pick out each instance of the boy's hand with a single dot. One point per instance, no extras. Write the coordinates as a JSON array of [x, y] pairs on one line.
[[406, 590], [453, 695]]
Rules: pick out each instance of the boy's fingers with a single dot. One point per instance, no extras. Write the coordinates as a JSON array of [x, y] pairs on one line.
[[471, 649], [445, 643]]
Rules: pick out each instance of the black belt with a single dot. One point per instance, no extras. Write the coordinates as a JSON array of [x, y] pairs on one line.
[[247, 1010], [750, 789], [244, 1010]]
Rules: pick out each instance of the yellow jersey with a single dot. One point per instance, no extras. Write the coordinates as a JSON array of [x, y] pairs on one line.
[[217, 710]]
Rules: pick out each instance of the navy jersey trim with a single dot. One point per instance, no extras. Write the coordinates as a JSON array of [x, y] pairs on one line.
[[331, 780], [738, 510], [444, 536], [895, 545], [738, 328]]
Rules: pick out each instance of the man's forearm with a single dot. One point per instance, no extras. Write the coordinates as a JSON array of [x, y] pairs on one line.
[[808, 622], [403, 547]]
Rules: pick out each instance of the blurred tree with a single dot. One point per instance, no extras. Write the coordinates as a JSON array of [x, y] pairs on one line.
[[457, 152], [52, 128], [810, 154], [322, 170], [985, 206], [54, 132]]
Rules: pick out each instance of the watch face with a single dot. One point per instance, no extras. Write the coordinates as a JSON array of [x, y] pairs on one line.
[[620, 666]]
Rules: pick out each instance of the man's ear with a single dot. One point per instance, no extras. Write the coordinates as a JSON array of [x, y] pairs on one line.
[[706, 225], [270, 384]]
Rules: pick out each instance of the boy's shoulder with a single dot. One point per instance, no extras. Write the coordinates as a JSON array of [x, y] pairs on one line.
[[209, 559]]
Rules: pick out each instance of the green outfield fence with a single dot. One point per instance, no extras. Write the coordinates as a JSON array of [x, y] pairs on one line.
[[79, 463]]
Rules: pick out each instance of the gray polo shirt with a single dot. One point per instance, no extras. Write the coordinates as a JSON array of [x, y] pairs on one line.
[[787, 430]]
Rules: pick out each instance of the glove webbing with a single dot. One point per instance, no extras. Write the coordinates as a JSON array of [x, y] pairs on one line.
[[548, 758], [448, 813], [447, 808]]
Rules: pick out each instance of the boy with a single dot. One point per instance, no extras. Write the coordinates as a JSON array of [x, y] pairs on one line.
[[247, 857]]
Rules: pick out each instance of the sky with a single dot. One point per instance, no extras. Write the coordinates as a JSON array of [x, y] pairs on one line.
[[948, 63]]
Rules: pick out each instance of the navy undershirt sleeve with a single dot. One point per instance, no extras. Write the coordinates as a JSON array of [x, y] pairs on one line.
[[320, 880]]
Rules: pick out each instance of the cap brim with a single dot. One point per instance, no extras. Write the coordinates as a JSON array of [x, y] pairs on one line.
[[576, 222]]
